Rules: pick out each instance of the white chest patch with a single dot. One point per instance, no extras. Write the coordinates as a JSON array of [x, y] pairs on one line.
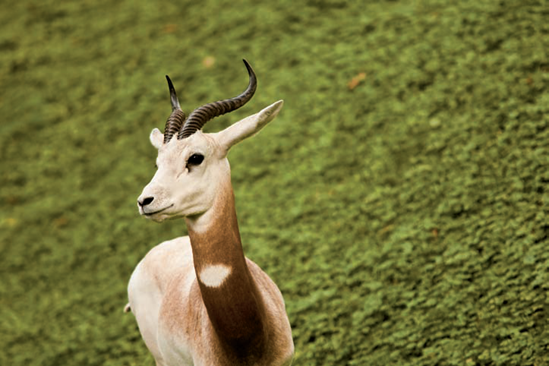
[[213, 276]]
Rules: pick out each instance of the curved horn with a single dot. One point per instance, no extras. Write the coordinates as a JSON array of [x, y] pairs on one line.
[[176, 119], [198, 118]]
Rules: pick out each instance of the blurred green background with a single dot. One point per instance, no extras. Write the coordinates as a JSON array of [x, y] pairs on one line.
[[400, 200]]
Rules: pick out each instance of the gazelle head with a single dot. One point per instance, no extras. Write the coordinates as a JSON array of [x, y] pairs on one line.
[[193, 169]]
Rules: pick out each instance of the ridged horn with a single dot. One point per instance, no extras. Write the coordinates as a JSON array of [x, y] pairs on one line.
[[198, 118], [176, 119]]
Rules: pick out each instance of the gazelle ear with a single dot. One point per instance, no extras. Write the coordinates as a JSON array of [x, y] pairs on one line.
[[156, 138], [247, 127]]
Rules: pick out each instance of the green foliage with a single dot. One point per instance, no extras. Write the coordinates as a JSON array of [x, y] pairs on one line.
[[404, 217]]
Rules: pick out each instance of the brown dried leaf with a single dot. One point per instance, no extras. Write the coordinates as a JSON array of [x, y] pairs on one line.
[[60, 222], [208, 61], [355, 81], [169, 28]]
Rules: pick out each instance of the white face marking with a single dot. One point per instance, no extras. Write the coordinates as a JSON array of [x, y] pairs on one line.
[[213, 276], [178, 189]]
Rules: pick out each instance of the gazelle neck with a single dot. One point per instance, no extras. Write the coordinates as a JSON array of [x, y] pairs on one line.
[[234, 304]]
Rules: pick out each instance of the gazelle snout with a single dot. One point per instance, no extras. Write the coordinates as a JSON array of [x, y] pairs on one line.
[[147, 200], [151, 202], [144, 201]]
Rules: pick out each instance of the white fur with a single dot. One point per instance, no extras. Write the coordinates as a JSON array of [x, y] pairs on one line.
[[180, 191], [162, 291], [156, 138], [214, 275], [249, 126]]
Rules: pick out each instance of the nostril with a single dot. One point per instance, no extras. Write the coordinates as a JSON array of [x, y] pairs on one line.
[[146, 201]]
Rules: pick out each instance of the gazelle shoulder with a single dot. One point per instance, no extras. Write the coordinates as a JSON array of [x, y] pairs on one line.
[[166, 258], [178, 246]]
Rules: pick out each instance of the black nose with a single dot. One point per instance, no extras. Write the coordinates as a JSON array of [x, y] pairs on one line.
[[145, 201]]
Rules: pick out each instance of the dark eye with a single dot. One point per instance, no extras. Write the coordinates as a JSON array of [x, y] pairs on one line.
[[195, 159]]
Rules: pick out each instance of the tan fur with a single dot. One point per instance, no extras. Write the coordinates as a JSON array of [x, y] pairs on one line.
[[182, 317], [242, 320]]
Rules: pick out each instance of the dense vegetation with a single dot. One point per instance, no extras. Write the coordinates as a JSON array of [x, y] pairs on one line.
[[400, 200]]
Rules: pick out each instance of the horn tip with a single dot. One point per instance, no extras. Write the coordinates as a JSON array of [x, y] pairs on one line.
[[248, 66], [173, 94], [170, 84]]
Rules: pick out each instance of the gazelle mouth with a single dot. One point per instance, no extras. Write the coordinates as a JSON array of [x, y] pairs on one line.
[[155, 212]]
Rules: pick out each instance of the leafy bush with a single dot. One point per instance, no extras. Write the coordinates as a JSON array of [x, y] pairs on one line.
[[400, 200]]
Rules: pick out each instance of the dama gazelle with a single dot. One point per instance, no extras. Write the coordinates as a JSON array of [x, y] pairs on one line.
[[197, 299]]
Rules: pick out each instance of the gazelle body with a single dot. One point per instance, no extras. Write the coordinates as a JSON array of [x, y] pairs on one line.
[[197, 299]]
